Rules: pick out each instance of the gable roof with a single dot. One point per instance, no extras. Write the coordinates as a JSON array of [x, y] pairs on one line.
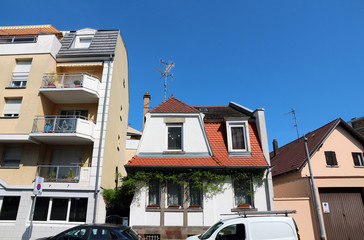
[[173, 105], [220, 112], [28, 30], [292, 156], [216, 133]]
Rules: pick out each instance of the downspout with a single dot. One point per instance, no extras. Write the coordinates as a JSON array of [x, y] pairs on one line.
[[100, 142], [269, 207]]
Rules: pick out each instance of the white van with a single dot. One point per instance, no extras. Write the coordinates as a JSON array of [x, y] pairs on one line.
[[253, 227]]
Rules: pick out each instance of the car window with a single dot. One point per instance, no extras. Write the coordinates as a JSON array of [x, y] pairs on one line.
[[131, 234], [73, 234], [99, 234], [211, 230], [232, 232]]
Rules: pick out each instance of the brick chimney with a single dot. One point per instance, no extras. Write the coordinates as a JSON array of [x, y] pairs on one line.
[[275, 147], [146, 103]]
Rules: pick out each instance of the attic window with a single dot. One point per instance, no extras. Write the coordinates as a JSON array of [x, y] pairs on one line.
[[204, 110], [83, 41], [238, 136]]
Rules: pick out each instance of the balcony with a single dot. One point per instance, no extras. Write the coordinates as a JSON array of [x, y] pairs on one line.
[[70, 87], [64, 173], [63, 130]]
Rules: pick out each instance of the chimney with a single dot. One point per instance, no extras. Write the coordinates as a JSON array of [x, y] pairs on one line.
[[146, 99], [275, 147]]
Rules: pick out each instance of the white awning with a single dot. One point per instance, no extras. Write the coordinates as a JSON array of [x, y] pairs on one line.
[[79, 64]]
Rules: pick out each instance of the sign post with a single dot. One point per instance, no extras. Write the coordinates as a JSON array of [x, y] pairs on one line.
[[38, 189]]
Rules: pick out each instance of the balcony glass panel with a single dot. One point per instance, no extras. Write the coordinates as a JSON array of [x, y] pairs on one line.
[[59, 173], [55, 124], [66, 80]]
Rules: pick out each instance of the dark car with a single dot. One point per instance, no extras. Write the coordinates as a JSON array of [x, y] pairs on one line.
[[97, 232]]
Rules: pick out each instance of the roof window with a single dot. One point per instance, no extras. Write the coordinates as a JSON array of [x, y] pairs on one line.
[[83, 38], [18, 39], [238, 137]]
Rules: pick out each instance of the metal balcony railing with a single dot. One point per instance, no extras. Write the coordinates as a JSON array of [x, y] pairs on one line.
[[59, 173], [56, 124], [19, 79], [65, 80]]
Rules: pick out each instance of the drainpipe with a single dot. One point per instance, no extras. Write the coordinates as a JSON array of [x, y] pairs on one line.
[[100, 142], [322, 232]]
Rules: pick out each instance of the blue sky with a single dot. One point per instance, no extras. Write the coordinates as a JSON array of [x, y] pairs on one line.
[[276, 55]]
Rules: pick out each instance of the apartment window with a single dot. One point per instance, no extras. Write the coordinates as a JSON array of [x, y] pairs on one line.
[[18, 39], [330, 158], [83, 41], [9, 207], [12, 107], [243, 193], [174, 195], [174, 137], [154, 194], [12, 156], [60, 209], [238, 136], [195, 197], [358, 159], [20, 74]]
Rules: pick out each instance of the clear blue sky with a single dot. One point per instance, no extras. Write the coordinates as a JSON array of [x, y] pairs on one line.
[[276, 55]]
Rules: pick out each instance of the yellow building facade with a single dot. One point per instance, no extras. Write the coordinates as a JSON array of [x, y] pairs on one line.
[[64, 101]]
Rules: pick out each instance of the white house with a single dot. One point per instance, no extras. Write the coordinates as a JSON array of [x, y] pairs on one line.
[[178, 138]]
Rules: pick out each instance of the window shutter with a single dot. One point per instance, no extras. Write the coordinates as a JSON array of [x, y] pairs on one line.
[[330, 158], [12, 106], [356, 159], [23, 66]]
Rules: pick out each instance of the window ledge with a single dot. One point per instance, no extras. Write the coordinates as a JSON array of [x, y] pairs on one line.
[[332, 166], [243, 209], [241, 154], [174, 210], [9, 117], [194, 209], [174, 152], [358, 166], [15, 87], [9, 167]]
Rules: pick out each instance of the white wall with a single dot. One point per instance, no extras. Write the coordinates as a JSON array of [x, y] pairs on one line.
[[45, 44], [154, 139]]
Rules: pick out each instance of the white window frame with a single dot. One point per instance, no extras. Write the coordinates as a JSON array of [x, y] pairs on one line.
[[158, 196], [251, 198], [21, 73], [168, 125], [14, 110], [77, 41], [180, 192], [238, 123]]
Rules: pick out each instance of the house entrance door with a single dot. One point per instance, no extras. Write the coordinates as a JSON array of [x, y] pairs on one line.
[[344, 217]]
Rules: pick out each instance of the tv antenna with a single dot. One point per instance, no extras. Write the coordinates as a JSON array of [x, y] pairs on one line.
[[165, 73], [293, 112]]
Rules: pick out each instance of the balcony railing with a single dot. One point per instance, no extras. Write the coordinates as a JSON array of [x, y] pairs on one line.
[[69, 80], [19, 80], [59, 173], [57, 124]]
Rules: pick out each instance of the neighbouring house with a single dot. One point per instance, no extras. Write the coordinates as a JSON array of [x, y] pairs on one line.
[[336, 156], [64, 113], [181, 145], [358, 125]]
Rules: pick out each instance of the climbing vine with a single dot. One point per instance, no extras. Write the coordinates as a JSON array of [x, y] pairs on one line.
[[208, 181]]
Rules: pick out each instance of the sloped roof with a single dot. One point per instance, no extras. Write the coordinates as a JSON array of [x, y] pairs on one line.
[[28, 30], [216, 132], [103, 45], [292, 156], [173, 105], [220, 112]]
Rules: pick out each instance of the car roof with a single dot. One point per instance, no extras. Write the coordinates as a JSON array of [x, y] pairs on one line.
[[255, 218], [107, 225]]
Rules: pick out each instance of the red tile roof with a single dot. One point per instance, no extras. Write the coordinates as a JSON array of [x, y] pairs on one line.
[[216, 133], [292, 156], [29, 30], [173, 105]]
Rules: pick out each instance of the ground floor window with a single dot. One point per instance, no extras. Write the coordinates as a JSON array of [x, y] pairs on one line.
[[243, 193], [60, 209], [195, 198], [154, 194], [174, 195], [9, 207]]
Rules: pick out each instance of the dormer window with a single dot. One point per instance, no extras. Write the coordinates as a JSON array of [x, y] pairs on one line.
[[174, 136], [238, 136], [83, 41]]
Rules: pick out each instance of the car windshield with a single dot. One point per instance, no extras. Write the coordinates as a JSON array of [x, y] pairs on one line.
[[211, 230], [130, 234]]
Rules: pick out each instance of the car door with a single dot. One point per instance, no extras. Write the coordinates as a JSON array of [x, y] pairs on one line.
[[99, 233]]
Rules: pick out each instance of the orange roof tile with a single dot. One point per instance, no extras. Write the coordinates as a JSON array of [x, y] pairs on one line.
[[173, 105], [216, 133], [29, 30]]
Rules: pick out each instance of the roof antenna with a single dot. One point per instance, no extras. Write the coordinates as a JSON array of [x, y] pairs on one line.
[[295, 121], [166, 74]]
